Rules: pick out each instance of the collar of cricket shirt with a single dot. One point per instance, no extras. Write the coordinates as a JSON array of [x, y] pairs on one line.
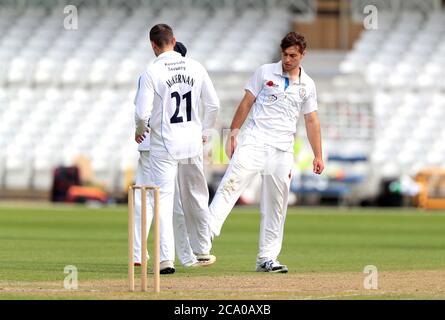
[[278, 70], [168, 54]]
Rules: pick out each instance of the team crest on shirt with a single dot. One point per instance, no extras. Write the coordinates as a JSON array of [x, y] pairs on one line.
[[302, 92], [272, 98]]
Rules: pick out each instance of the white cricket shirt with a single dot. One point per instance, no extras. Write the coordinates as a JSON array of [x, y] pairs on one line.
[[167, 103], [277, 106]]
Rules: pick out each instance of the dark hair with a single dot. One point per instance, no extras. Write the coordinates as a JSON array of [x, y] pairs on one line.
[[161, 34], [293, 39]]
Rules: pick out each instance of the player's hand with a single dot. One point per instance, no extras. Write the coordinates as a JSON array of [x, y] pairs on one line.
[[205, 139], [230, 146], [139, 138], [318, 165]]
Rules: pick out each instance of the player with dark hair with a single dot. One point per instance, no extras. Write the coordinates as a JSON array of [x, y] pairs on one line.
[[278, 92]]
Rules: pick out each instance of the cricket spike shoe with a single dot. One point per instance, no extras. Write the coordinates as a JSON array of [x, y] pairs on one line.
[[204, 260], [272, 266], [167, 267]]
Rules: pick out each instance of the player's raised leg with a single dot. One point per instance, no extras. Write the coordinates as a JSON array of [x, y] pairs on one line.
[[246, 162]]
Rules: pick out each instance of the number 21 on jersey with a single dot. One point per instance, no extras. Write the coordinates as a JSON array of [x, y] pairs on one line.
[[188, 106]]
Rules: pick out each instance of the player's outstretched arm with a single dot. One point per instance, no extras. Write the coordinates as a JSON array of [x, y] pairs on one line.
[[314, 136], [238, 119]]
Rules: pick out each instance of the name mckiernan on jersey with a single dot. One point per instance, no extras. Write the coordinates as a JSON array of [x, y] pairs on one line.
[[180, 78]]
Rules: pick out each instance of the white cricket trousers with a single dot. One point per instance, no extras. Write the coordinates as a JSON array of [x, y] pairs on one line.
[[194, 196], [143, 177], [183, 244], [275, 168]]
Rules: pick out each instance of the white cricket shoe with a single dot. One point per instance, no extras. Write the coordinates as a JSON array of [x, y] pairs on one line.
[[272, 266], [167, 267], [204, 260]]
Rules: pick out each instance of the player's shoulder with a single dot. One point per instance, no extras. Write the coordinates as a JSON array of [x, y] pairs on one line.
[[268, 66], [265, 68], [143, 79], [151, 67], [194, 63], [305, 78], [147, 73]]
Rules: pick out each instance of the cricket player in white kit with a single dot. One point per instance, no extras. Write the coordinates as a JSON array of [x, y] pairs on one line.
[[143, 177], [278, 92], [170, 92]]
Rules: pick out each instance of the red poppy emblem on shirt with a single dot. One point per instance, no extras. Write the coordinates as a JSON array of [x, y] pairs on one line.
[[270, 83]]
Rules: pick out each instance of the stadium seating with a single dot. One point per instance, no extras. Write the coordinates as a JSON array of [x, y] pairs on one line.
[[65, 93], [402, 63]]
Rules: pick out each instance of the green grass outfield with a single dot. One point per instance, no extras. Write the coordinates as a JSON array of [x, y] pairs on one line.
[[37, 242]]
